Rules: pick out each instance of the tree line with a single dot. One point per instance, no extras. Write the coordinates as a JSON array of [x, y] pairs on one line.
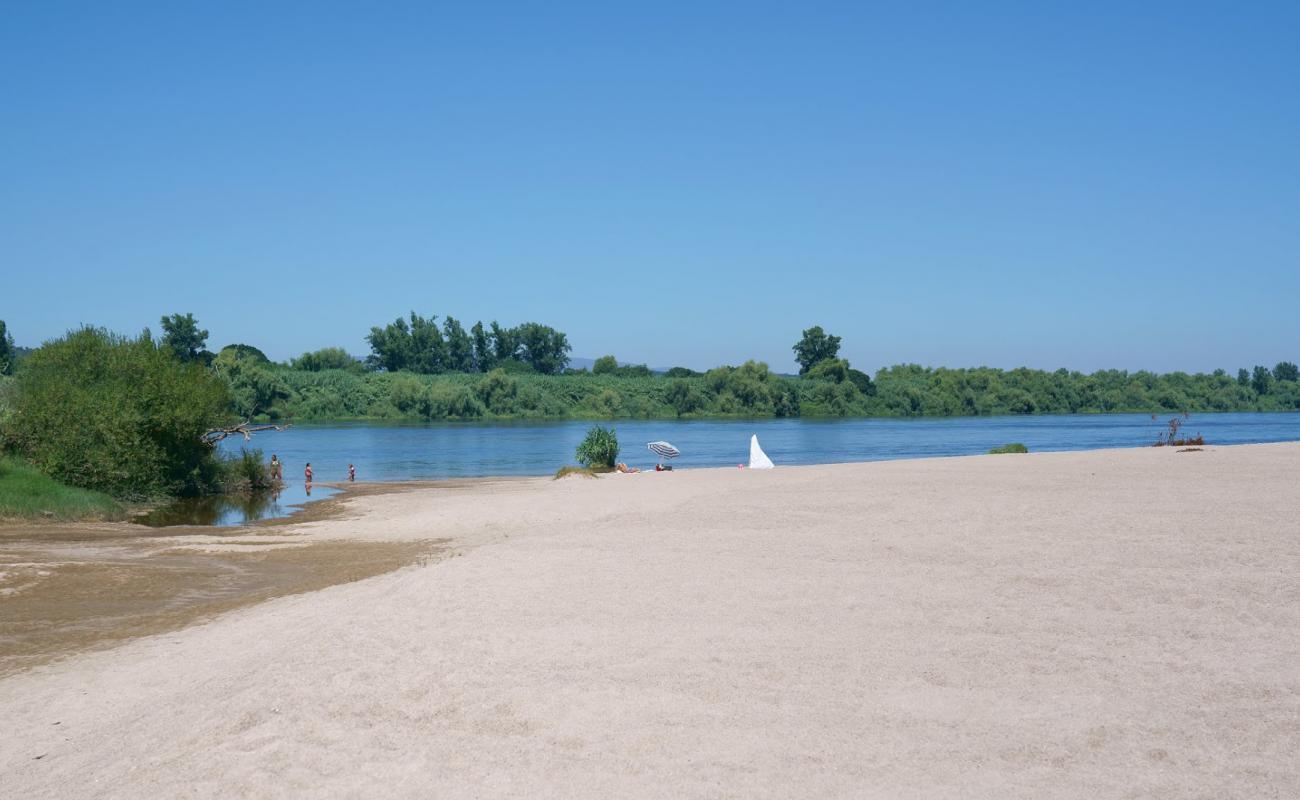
[[124, 414], [417, 344]]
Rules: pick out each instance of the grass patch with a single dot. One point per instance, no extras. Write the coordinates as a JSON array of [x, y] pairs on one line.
[[586, 472], [1014, 447], [27, 494]]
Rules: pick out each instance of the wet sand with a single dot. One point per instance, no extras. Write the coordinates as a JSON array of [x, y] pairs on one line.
[[1120, 623], [67, 588]]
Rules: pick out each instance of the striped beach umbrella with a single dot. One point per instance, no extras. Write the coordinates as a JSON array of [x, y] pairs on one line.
[[663, 450]]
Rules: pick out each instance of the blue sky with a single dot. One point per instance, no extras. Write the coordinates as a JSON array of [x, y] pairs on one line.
[[1113, 185]]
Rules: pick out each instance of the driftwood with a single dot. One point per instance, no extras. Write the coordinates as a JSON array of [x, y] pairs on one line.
[[244, 429]]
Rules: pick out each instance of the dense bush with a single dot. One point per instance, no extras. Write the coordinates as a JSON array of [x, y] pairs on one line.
[[119, 415], [327, 358], [246, 472], [599, 450], [1014, 447]]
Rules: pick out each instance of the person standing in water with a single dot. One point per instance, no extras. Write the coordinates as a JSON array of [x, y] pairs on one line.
[[276, 468], [352, 473], [307, 473]]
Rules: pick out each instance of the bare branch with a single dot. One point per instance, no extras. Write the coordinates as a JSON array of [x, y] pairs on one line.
[[244, 429]]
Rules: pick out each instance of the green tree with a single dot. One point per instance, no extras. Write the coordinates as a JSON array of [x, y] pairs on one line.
[[119, 415], [416, 346], [543, 347], [185, 339], [460, 347], [829, 369], [1262, 380], [6, 350], [1284, 371], [484, 357], [255, 387], [498, 391], [605, 365], [683, 397], [682, 372], [1243, 377], [244, 351], [505, 343], [599, 450], [327, 358], [815, 346]]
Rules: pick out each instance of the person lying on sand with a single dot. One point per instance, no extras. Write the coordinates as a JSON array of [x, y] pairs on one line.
[[624, 468]]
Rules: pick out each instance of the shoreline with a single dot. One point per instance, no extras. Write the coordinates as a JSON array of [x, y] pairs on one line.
[[1062, 623]]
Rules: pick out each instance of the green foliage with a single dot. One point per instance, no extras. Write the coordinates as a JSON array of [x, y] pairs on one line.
[[1014, 447], [327, 358], [1284, 371], [7, 354], [505, 343], [27, 494], [255, 386], [514, 390], [682, 372], [543, 348], [1262, 380], [684, 397], [415, 344], [183, 337], [123, 416], [243, 352], [830, 369], [599, 450], [815, 347], [7, 388], [608, 365], [246, 472], [459, 347], [485, 359], [514, 366], [862, 381], [1243, 377], [498, 392]]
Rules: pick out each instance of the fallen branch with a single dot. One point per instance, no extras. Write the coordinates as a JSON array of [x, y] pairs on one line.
[[244, 429]]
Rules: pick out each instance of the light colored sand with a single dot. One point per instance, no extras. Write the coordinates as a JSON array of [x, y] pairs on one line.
[[1105, 624]]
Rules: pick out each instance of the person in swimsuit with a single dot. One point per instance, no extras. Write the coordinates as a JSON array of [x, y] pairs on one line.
[[307, 473], [352, 473], [276, 468]]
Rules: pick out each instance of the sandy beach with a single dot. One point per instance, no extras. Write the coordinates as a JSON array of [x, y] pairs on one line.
[[1119, 623]]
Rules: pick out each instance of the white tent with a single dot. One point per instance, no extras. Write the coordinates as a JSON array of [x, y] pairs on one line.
[[757, 458]]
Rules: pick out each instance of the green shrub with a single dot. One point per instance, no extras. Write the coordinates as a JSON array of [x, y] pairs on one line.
[[599, 450], [118, 415], [328, 358], [1014, 447], [246, 472], [498, 391]]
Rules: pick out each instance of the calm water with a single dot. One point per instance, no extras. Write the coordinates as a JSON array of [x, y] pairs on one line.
[[405, 452], [422, 452], [235, 509]]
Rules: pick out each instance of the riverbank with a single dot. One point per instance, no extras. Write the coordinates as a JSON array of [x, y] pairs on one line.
[[1116, 623]]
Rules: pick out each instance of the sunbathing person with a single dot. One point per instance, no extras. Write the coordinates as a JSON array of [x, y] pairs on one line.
[[624, 468]]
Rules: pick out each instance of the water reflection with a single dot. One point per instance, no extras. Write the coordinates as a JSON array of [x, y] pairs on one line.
[[234, 509]]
